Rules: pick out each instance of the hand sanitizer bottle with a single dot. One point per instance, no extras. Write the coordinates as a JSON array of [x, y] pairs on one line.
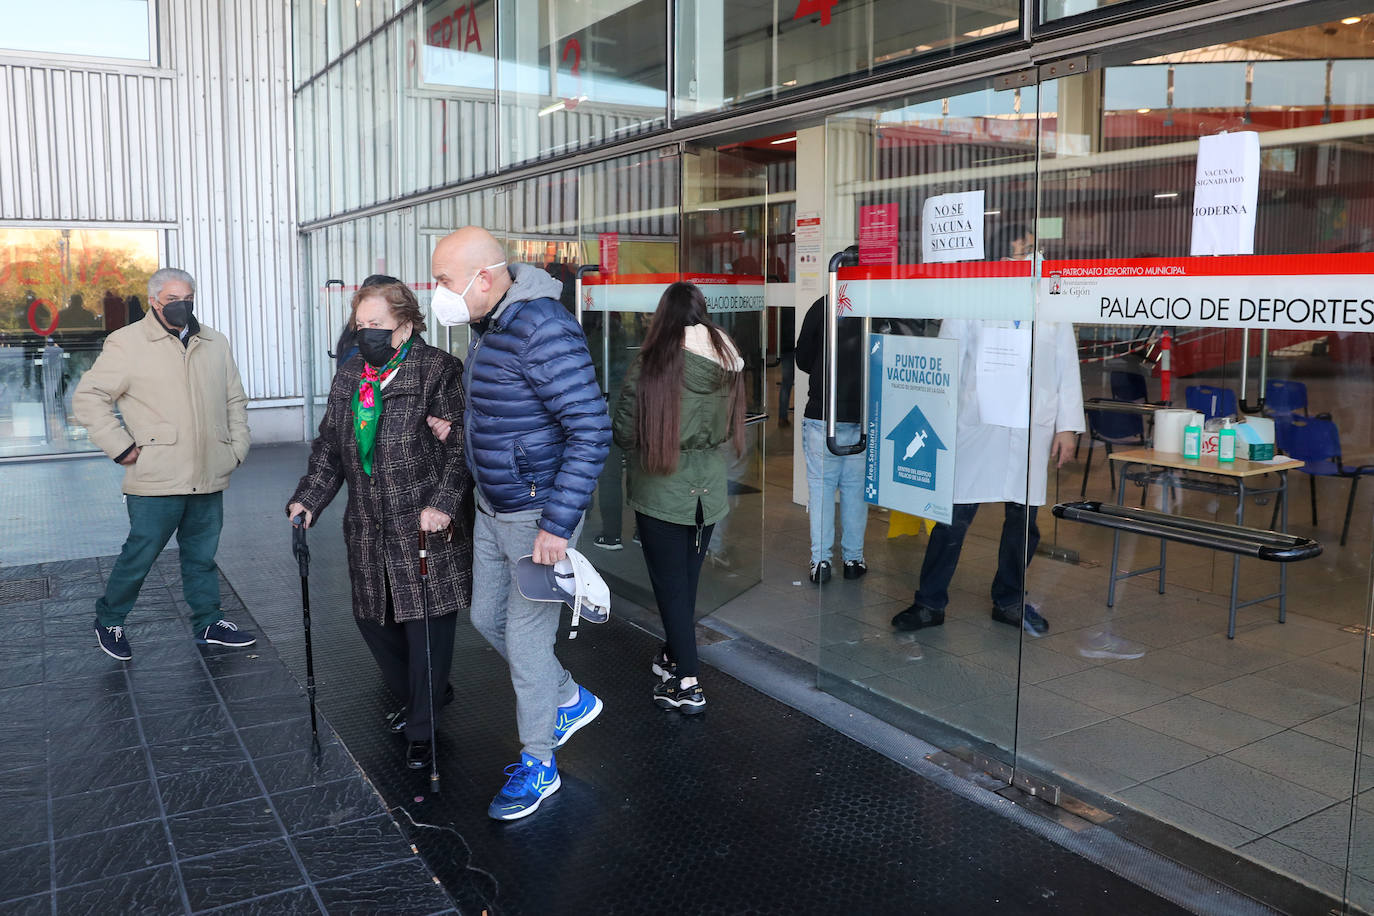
[[1226, 443], [1192, 441]]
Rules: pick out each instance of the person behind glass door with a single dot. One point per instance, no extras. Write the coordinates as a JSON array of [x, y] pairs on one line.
[[376, 436], [827, 472], [992, 458], [683, 399]]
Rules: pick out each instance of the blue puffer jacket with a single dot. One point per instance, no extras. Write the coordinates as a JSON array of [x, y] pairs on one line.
[[536, 423]]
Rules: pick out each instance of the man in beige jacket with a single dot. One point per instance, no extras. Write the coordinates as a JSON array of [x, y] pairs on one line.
[[181, 430]]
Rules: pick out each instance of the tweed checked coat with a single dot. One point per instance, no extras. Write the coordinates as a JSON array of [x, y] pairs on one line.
[[411, 470]]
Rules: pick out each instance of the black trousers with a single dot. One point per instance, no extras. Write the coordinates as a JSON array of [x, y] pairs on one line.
[[399, 649], [674, 554]]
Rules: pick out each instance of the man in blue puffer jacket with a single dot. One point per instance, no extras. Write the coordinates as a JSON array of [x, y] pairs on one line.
[[536, 435]]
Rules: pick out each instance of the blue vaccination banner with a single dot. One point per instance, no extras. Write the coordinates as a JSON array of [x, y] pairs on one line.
[[913, 394]]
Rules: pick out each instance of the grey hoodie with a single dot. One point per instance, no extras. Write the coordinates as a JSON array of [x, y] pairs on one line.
[[529, 282]]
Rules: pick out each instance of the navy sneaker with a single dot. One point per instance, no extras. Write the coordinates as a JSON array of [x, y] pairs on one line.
[[672, 695], [529, 784], [607, 542], [225, 633], [113, 641], [581, 712], [1030, 620]]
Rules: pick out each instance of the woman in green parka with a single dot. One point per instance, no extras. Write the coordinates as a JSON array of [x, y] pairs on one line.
[[682, 402]]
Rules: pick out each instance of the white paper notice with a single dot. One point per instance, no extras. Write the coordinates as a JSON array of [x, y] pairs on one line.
[[1225, 194], [1003, 381], [952, 228]]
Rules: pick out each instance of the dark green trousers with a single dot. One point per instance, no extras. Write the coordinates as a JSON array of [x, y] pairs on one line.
[[197, 520]]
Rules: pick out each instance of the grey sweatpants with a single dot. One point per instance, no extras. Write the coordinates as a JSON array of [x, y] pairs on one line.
[[523, 631]]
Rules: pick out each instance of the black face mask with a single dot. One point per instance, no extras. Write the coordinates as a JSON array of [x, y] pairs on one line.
[[375, 346], [177, 313]]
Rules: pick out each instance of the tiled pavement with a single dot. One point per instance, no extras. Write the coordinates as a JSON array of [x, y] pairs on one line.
[[184, 781]]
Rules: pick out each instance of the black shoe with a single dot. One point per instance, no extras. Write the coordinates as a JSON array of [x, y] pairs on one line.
[[662, 666], [918, 617], [114, 642], [672, 695], [419, 755], [853, 569], [1030, 621], [820, 572], [396, 721]]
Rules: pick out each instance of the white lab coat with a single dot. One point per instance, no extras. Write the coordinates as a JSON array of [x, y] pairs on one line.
[[990, 462]]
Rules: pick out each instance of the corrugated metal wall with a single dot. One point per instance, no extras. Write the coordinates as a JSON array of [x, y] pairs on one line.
[[200, 146]]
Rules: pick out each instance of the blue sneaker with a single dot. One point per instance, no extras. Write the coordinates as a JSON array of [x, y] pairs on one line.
[[530, 783], [583, 710]]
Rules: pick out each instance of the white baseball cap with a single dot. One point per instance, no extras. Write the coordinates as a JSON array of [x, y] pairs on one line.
[[573, 580]]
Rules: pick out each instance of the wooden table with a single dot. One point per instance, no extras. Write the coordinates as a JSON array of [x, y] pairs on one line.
[[1237, 477]]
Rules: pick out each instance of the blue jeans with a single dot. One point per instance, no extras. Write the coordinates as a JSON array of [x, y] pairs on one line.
[[824, 473], [1020, 537]]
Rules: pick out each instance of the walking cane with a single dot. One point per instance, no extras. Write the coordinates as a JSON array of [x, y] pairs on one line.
[[429, 666], [302, 552]]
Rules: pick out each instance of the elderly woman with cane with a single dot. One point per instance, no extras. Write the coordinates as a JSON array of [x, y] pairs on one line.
[[377, 434]]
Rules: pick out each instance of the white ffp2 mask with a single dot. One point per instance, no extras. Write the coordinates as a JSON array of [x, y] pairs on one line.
[[450, 307]]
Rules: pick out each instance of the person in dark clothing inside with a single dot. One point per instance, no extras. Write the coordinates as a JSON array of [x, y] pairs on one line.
[[347, 347], [825, 472]]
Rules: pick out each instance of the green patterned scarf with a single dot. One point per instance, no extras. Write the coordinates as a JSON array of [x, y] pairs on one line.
[[367, 405]]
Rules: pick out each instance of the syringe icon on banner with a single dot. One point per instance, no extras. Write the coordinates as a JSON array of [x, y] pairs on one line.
[[914, 446]]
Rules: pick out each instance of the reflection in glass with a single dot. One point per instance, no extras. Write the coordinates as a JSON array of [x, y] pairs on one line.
[[730, 54], [575, 75], [61, 292], [90, 28]]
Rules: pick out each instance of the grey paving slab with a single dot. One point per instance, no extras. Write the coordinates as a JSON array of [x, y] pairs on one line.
[[1242, 794], [1109, 690], [1214, 728]]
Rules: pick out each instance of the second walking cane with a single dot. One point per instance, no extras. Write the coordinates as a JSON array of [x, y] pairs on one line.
[[302, 552], [429, 666]]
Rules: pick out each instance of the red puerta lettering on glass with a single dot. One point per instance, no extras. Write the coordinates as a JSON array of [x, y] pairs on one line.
[[820, 8], [446, 32], [573, 47]]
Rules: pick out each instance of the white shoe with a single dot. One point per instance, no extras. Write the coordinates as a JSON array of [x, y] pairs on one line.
[[1102, 644]]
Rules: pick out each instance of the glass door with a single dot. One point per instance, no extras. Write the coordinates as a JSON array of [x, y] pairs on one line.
[[644, 222], [920, 464], [1204, 228]]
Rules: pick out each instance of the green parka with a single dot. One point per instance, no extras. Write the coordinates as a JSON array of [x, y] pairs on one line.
[[702, 461]]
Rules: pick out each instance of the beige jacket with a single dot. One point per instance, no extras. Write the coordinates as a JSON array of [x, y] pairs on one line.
[[183, 406]]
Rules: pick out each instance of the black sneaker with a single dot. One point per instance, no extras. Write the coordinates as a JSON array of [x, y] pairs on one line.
[[113, 641], [853, 569], [820, 572], [1030, 621], [672, 695], [918, 617], [662, 666], [225, 633], [605, 542]]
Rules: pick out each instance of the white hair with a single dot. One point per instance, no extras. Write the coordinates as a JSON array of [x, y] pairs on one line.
[[168, 275]]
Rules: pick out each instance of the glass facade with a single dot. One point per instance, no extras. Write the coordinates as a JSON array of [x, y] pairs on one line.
[[1068, 210], [61, 292]]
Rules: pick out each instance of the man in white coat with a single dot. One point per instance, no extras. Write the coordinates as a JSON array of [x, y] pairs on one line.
[[1001, 434]]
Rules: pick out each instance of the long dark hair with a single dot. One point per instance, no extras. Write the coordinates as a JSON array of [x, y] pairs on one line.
[[658, 400]]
